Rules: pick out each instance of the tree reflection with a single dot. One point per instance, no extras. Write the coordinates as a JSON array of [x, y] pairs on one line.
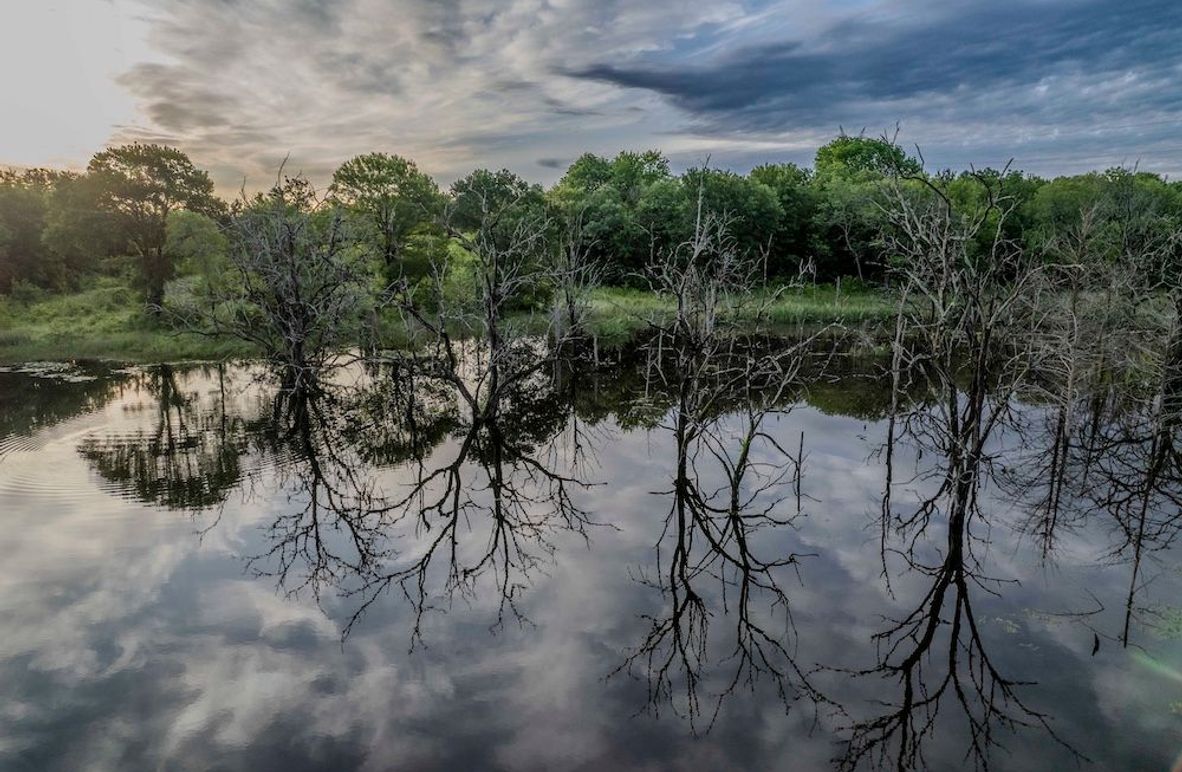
[[720, 549], [734, 487], [489, 510], [1133, 457], [399, 485], [190, 459], [961, 332], [35, 396]]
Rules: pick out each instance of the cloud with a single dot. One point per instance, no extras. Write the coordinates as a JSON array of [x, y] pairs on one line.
[[453, 84], [1062, 85], [869, 59], [1059, 79]]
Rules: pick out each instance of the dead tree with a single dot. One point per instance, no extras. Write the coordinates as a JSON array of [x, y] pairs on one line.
[[956, 330], [574, 275], [298, 289], [709, 360]]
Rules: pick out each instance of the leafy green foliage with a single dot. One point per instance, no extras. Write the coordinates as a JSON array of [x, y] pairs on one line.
[[394, 202], [197, 243], [860, 157], [751, 209], [137, 186], [624, 207], [24, 204], [146, 216], [792, 239]]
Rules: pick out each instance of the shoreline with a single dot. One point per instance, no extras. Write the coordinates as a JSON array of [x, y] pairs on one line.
[[105, 323]]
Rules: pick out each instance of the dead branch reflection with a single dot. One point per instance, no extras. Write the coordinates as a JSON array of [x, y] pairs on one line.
[[956, 332], [436, 506], [734, 486]]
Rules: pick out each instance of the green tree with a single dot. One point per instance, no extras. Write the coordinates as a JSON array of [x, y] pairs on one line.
[[846, 225], [502, 224], [859, 156], [392, 197], [587, 174], [496, 200], [632, 173], [608, 197], [968, 190], [751, 209], [139, 185], [793, 239], [663, 216], [847, 181], [24, 206], [78, 231], [197, 244]]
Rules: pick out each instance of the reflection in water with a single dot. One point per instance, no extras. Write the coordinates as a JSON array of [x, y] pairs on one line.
[[484, 507], [190, 459], [38, 396], [733, 484], [748, 581], [1133, 463], [936, 652]]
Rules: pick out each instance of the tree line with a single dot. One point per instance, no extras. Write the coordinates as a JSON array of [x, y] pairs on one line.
[[147, 212]]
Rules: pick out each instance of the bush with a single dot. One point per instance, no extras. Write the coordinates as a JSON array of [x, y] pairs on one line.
[[26, 293]]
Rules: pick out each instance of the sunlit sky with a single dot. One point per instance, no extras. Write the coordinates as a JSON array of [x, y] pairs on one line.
[[1059, 86]]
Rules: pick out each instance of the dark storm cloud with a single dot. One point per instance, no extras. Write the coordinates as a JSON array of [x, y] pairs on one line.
[[950, 49]]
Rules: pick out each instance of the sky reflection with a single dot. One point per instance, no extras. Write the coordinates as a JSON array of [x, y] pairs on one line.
[[138, 635]]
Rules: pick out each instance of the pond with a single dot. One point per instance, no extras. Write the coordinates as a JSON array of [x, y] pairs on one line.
[[614, 571]]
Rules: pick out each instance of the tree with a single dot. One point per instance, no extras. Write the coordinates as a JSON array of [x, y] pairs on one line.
[[139, 185], [632, 173], [858, 156], [966, 191], [197, 244], [792, 241], [24, 204], [750, 208], [663, 215], [391, 196], [846, 225], [299, 292], [78, 232], [493, 203], [501, 223], [588, 173], [608, 197], [849, 174]]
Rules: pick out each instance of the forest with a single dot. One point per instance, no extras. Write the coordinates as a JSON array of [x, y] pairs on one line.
[[140, 241]]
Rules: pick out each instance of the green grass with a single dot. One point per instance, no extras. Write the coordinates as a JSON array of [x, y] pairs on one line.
[[618, 312], [107, 320]]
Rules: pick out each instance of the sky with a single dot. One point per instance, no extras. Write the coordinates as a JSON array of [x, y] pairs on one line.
[[1056, 86]]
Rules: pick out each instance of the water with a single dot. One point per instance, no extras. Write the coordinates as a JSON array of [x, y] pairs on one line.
[[185, 549]]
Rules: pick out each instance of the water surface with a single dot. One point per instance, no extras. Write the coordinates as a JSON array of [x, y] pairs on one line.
[[186, 547]]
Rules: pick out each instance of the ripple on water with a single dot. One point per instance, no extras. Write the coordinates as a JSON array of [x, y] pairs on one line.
[[17, 443]]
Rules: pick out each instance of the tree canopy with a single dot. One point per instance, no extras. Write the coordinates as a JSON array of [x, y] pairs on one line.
[[148, 211]]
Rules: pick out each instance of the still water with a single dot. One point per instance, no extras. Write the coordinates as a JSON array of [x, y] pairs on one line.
[[203, 572]]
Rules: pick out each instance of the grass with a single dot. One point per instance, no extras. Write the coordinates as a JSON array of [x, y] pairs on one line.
[[618, 312], [106, 319]]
